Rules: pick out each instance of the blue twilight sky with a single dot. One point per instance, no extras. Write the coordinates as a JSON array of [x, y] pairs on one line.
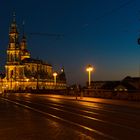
[[103, 33]]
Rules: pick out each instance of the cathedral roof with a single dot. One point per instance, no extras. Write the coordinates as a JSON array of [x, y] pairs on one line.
[[36, 61], [25, 51]]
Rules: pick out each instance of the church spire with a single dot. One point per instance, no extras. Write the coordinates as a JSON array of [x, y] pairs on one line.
[[23, 34], [23, 40], [13, 34], [13, 51], [13, 28], [23, 45], [14, 16], [23, 24]]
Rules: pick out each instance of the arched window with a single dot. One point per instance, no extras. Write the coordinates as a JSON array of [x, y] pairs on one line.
[[12, 57], [11, 73]]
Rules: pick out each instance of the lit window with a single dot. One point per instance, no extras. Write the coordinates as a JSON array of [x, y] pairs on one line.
[[120, 89]]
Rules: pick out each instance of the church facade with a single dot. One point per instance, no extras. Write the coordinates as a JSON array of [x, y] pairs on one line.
[[24, 72]]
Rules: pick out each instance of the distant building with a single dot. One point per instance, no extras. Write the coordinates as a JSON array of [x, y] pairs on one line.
[[127, 84], [133, 81], [128, 88], [24, 72]]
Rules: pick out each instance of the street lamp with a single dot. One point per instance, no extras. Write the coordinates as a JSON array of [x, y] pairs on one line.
[[17, 85], [27, 79], [54, 75], [89, 69], [27, 83]]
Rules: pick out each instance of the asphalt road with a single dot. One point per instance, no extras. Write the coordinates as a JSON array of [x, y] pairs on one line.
[[39, 117]]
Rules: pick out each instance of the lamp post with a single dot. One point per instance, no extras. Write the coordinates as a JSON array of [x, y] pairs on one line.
[[1, 82], [6, 88], [89, 69], [27, 83], [55, 75], [17, 85]]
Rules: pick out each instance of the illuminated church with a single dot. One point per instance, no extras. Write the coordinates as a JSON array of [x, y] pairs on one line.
[[24, 72]]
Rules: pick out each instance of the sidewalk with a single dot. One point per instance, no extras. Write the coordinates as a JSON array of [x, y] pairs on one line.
[[98, 100]]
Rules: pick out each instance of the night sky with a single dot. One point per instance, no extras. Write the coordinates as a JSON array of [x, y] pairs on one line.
[[102, 33]]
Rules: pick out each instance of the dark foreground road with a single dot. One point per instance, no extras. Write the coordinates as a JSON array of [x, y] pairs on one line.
[[40, 117]]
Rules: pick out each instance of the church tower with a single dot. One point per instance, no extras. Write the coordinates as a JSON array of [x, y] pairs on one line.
[[23, 46], [14, 67], [22, 72]]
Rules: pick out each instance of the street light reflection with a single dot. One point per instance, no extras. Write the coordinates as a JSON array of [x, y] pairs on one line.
[[55, 98], [90, 104]]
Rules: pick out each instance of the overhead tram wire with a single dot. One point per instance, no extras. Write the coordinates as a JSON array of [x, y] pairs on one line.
[[47, 34], [114, 10]]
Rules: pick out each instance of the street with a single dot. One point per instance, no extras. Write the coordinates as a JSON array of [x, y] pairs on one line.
[[41, 117]]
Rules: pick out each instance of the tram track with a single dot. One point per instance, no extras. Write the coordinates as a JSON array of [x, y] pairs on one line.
[[86, 120]]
